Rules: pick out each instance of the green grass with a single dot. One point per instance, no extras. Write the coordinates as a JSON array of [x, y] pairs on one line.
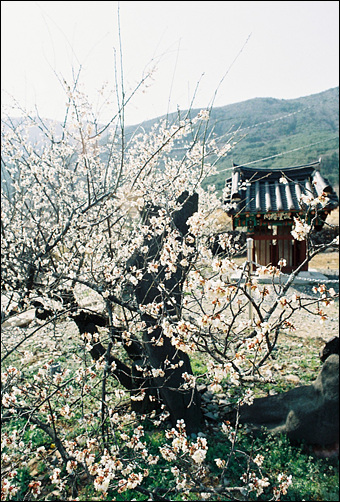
[[23, 479], [312, 478]]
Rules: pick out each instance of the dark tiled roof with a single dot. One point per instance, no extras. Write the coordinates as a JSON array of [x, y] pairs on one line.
[[257, 190]]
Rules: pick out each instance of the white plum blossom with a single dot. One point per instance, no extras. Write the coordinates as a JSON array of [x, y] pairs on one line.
[[258, 460], [248, 397], [190, 380], [229, 431], [157, 372], [285, 482], [300, 229], [254, 483], [282, 262], [220, 463]]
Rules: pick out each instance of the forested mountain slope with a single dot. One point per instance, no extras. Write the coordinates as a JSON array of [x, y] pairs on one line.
[[282, 132], [268, 132]]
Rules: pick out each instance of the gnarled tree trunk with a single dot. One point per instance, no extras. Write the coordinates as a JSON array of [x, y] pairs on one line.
[[181, 403]]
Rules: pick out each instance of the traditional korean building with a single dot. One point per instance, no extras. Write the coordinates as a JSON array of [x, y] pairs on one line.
[[265, 201]]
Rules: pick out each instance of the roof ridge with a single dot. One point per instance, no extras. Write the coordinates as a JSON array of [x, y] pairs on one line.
[[240, 166]]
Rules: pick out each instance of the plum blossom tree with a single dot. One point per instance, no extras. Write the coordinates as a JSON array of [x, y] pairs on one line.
[[109, 217], [87, 208]]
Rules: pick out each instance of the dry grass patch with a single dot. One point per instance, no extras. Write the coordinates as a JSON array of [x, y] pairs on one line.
[[220, 221], [324, 261], [333, 217]]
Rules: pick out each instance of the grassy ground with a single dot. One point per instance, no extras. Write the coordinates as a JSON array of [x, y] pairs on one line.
[[294, 362]]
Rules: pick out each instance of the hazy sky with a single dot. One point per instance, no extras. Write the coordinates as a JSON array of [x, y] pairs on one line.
[[282, 50]]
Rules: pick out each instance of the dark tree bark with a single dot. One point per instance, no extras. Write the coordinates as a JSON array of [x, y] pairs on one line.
[[307, 413], [87, 323], [181, 404]]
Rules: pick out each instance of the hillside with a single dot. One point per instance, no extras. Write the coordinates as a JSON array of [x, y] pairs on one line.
[[286, 132], [291, 132]]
